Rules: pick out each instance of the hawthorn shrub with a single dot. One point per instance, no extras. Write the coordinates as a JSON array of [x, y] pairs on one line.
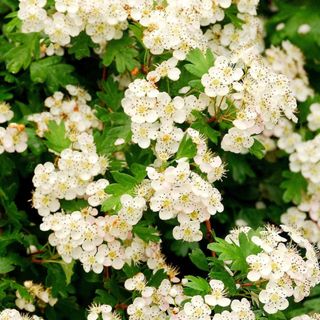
[[159, 159]]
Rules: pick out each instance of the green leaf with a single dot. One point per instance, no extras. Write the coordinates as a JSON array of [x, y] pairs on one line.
[[187, 149], [104, 297], [157, 278], [204, 128], [294, 185], [139, 171], [68, 270], [236, 254], [196, 84], [199, 259], [231, 13], [145, 232], [53, 72], [105, 141], [21, 55], [80, 46], [137, 30], [124, 179], [5, 94], [257, 149], [130, 270], [219, 272], [182, 248], [123, 52], [200, 63], [6, 265], [111, 94], [35, 144], [56, 278], [198, 285], [239, 166], [73, 205], [56, 139]]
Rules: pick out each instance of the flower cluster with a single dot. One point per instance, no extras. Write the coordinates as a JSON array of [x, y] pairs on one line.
[[12, 314], [289, 61], [154, 116], [297, 219], [71, 179], [76, 114], [169, 301], [226, 39], [101, 20], [306, 159], [81, 234], [39, 296], [314, 117], [303, 159], [244, 95], [314, 316], [183, 194], [167, 25], [283, 269], [154, 302], [258, 97], [13, 138], [103, 310]]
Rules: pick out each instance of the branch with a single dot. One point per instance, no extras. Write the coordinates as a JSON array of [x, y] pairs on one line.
[[209, 234]]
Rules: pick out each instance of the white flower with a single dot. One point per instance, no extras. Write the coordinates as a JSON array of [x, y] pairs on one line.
[[10, 314], [274, 299], [314, 117], [5, 113], [140, 109], [248, 6], [219, 78], [112, 254], [15, 139], [137, 282], [137, 310], [96, 193], [168, 143], [90, 261], [132, 208], [142, 133], [44, 176], [165, 69], [260, 266], [217, 296], [45, 203], [95, 310], [242, 309], [188, 231], [197, 309], [304, 29], [237, 141]]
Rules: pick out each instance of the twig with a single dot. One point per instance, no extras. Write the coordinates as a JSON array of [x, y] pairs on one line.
[[121, 306], [106, 274], [212, 119], [209, 234], [104, 73]]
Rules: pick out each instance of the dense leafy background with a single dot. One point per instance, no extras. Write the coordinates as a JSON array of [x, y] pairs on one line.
[[25, 81]]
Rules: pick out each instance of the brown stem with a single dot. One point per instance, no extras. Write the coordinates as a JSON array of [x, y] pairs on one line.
[[209, 234], [104, 73], [121, 306], [39, 261], [248, 284], [35, 253], [106, 274], [212, 119]]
